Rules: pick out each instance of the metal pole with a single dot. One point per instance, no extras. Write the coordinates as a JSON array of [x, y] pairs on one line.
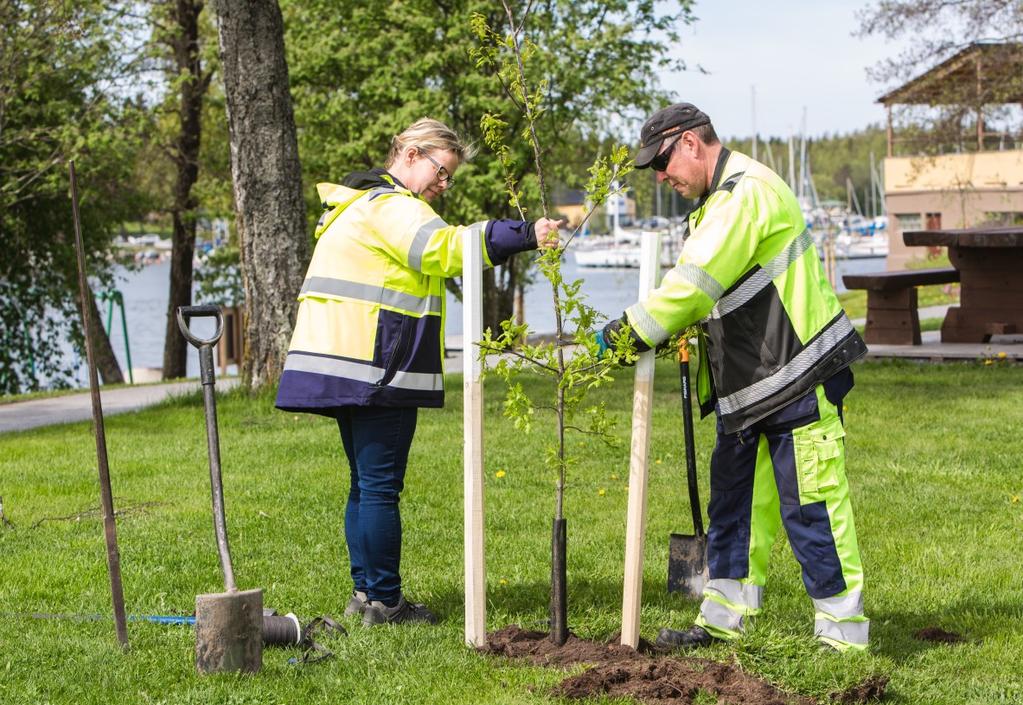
[[109, 525], [127, 345]]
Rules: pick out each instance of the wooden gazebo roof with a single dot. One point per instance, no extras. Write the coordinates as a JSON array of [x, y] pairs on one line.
[[986, 71], [982, 73]]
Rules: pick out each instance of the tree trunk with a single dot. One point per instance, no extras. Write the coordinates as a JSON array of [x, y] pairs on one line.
[[267, 180], [106, 362], [185, 45]]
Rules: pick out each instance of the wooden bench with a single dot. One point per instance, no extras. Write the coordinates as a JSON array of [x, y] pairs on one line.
[[892, 316]]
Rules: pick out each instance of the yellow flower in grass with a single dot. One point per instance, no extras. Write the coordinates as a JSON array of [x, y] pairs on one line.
[[499, 474], [1002, 355], [601, 492], [614, 477], [1014, 499], [502, 581], [989, 362]]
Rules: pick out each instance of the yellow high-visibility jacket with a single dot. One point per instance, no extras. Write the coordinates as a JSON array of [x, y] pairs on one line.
[[370, 325], [771, 325]]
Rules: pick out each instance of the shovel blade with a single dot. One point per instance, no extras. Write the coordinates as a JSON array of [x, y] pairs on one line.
[[687, 565]]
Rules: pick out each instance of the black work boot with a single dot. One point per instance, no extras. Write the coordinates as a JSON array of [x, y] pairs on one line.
[[694, 637], [404, 612]]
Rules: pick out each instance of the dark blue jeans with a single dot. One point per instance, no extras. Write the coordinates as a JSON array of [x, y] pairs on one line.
[[377, 442]]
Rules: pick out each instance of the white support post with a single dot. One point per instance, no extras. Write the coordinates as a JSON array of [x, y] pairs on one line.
[[472, 366], [635, 527]]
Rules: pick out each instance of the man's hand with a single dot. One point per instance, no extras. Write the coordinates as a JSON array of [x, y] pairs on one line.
[[546, 230], [602, 346]]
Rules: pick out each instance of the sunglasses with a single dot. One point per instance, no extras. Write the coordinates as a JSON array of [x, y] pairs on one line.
[[660, 162], [442, 171]]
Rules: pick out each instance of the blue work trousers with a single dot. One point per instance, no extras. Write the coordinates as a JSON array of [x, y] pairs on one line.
[[377, 442]]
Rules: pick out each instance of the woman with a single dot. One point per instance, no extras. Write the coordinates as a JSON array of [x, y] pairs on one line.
[[368, 340]]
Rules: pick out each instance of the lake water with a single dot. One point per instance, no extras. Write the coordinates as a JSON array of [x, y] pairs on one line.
[[145, 293]]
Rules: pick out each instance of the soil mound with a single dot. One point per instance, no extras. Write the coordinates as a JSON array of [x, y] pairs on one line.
[[937, 634], [620, 671], [870, 690]]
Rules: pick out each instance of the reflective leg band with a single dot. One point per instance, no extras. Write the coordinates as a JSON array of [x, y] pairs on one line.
[[726, 604], [847, 634], [839, 621]]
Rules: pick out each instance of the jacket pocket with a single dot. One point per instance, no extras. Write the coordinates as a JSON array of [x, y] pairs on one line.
[[399, 351], [819, 450]]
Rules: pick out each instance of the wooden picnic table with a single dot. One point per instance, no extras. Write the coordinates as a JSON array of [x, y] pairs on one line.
[[990, 265]]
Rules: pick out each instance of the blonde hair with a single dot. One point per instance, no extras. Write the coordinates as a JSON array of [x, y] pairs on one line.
[[427, 134]]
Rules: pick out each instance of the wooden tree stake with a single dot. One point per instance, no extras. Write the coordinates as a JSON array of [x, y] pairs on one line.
[[472, 331], [635, 526]]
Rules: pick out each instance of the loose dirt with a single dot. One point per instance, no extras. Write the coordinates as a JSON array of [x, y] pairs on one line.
[[870, 690], [939, 635], [644, 675]]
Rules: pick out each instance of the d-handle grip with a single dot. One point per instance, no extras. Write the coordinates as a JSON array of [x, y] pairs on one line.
[[185, 313]]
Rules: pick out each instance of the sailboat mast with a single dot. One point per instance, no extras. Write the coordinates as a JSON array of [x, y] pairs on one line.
[[753, 107]]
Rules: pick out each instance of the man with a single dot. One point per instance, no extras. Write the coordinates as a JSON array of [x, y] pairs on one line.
[[775, 349]]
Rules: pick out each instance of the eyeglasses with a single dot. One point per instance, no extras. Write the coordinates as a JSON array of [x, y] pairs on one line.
[[442, 171], [660, 162]]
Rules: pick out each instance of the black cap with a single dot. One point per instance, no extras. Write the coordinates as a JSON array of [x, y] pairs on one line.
[[673, 120]]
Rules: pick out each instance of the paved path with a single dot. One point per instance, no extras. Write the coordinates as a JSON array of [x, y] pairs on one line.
[[70, 408]]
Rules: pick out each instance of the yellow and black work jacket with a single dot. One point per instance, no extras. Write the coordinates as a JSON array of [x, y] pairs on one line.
[[370, 324], [771, 325]]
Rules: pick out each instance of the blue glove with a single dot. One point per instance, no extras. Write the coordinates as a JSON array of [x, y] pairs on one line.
[[602, 346]]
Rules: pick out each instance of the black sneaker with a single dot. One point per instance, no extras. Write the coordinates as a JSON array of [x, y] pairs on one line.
[[694, 637], [356, 603], [404, 612]]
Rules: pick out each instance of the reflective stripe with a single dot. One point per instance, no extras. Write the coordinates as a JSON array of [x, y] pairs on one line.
[[380, 191], [736, 592], [854, 633], [796, 368], [717, 615], [643, 322], [763, 277], [850, 605], [361, 372], [375, 294], [419, 242], [698, 277]]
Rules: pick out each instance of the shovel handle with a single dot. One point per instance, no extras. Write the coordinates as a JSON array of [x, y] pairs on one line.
[[683, 349], [186, 313], [687, 426]]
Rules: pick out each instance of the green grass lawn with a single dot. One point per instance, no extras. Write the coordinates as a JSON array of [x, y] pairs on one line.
[[934, 464]]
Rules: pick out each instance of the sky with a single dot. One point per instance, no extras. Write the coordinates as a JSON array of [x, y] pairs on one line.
[[794, 53]]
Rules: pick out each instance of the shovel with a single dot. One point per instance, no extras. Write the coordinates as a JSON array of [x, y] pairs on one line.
[[687, 555], [228, 625]]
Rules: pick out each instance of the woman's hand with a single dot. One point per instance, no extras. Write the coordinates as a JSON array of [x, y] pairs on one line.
[[546, 230]]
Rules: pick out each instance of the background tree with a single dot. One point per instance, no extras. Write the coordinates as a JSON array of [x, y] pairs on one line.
[[361, 72], [267, 179], [179, 46], [61, 68]]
